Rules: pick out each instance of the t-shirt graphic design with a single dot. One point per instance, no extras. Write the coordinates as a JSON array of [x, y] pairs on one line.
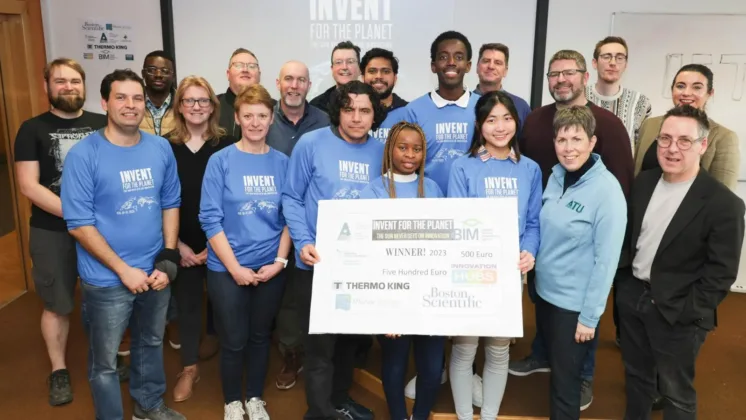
[[138, 180], [352, 172], [62, 141], [260, 185]]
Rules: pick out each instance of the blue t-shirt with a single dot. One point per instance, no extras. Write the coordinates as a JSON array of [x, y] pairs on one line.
[[324, 167], [474, 177], [404, 189], [122, 192], [448, 131], [393, 117], [241, 196]]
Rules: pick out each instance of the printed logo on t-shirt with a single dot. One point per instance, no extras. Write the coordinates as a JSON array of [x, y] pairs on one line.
[[256, 206], [446, 154], [137, 179], [381, 134], [134, 204], [62, 141], [500, 186], [456, 132], [346, 193], [354, 171], [259, 184]]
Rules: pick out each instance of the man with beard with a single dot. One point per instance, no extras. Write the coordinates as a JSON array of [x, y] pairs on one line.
[[293, 118], [610, 61], [41, 146], [159, 74], [380, 69], [492, 68], [243, 71], [345, 68], [567, 78]]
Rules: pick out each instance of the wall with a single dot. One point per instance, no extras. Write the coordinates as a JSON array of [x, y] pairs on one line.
[[63, 22]]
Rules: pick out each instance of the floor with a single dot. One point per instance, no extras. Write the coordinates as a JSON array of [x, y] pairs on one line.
[[23, 368]]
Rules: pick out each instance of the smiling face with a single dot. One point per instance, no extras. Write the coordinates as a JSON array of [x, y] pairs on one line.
[[451, 64], [65, 89], [573, 147], [492, 68], [243, 71], [499, 128], [380, 74], [345, 66], [680, 159], [690, 88], [201, 107], [565, 89], [254, 120], [408, 152], [125, 106]]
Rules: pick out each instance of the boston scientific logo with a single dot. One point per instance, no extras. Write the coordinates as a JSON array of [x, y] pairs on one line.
[[438, 298]]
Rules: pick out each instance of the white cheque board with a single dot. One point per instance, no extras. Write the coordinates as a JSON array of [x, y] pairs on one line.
[[418, 266]]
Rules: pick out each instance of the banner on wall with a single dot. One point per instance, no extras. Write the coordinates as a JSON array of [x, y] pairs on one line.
[[106, 43]]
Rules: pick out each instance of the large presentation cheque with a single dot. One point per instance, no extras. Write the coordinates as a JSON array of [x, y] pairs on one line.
[[418, 266]]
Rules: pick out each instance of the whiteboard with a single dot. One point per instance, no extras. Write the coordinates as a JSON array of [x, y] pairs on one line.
[[661, 43]]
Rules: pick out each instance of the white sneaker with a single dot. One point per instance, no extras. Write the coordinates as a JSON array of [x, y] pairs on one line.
[[476, 391], [234, 411], [255, 409], [410, 391]]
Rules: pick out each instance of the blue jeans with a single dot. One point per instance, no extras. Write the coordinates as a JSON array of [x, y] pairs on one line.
[[244, 316], [539, 347], [428, 358], [107, 312]]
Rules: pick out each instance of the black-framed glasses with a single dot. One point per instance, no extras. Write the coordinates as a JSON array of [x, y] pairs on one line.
[[203, 102], [152, 70], [619, 58], [566, 73], [682, 143]]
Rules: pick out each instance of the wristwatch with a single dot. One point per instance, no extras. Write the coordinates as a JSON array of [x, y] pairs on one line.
[[283, 261]]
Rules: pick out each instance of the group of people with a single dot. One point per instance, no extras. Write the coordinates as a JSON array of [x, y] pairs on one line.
[[178, 190]]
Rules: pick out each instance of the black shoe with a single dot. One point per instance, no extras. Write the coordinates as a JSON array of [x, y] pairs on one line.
[[60, 390], [122, 369], [354, 411], [160, 413], [658, 404]]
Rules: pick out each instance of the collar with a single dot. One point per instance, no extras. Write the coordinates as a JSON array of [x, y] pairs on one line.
[[611, 98], [397, 102], [281, 113], [403, 178], [461, 102], [485, 155], [166, 104]]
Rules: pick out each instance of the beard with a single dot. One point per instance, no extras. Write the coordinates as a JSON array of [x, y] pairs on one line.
[[386, 93], [568, 97], [67, 102]]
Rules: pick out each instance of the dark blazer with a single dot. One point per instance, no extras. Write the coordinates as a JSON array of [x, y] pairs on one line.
[[697, 260]]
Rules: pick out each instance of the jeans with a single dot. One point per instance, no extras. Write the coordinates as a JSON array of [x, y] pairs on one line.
[[244, 316], [650, 346], [539, 347], [289, 333], [494, 376], [329, 359], [107, 312], [566, 357], [428, 357], [189, 290]]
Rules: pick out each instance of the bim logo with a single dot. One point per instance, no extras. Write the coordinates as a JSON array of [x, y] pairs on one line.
[[474, 276]]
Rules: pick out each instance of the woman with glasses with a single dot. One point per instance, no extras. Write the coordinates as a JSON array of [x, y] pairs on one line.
[[195, 138], [241, 213], [693, 86]]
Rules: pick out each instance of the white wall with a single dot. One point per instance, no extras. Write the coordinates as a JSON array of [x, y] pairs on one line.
[[64, 36], [579, 24]]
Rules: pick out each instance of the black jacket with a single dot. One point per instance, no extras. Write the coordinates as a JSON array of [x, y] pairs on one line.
[[227, 113]]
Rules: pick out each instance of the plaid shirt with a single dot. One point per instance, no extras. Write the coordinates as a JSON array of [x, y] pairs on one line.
[[158, 113], [484, 155]]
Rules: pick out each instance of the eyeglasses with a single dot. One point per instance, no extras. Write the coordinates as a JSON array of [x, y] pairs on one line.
[[619, 58], [681, 143], [349, 61], [203, 102], [566, 73], [244, 66], [153, 70]]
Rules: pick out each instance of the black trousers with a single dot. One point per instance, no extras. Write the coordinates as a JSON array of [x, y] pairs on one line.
[[329, 360], [566, 357], [189, 289], [652, 346]]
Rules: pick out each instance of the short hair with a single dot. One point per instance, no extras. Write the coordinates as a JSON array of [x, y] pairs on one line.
[[575, 116], [342, 100], [180, 133], [569, 55], [346, 45], [697, 68], [63, 61], [159, 53], [688, 111], [482, 110], [610, 40], [253, 95], [447, 36], [379, 53], [241, 51], [496, 46], [119, 75]]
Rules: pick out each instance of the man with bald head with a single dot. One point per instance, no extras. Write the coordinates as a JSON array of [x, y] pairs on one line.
[[293, 118]]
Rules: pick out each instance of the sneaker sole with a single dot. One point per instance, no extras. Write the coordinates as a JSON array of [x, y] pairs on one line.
[[173, 345], [61, 402], [584, 407], [285, 387], [124, 353], [520, 373]]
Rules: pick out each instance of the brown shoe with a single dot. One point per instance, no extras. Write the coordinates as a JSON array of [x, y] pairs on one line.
[[184, 386], [172, 332], [208, 347], [291, 367]]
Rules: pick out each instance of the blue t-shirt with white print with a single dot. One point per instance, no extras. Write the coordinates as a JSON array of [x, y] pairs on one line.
[[122, 192], [324, 167], [241, 196], [393, 117], [408, 188], [448, 132]]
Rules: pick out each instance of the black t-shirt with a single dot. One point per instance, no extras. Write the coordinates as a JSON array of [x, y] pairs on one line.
[[47, 138], [191, 167]]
